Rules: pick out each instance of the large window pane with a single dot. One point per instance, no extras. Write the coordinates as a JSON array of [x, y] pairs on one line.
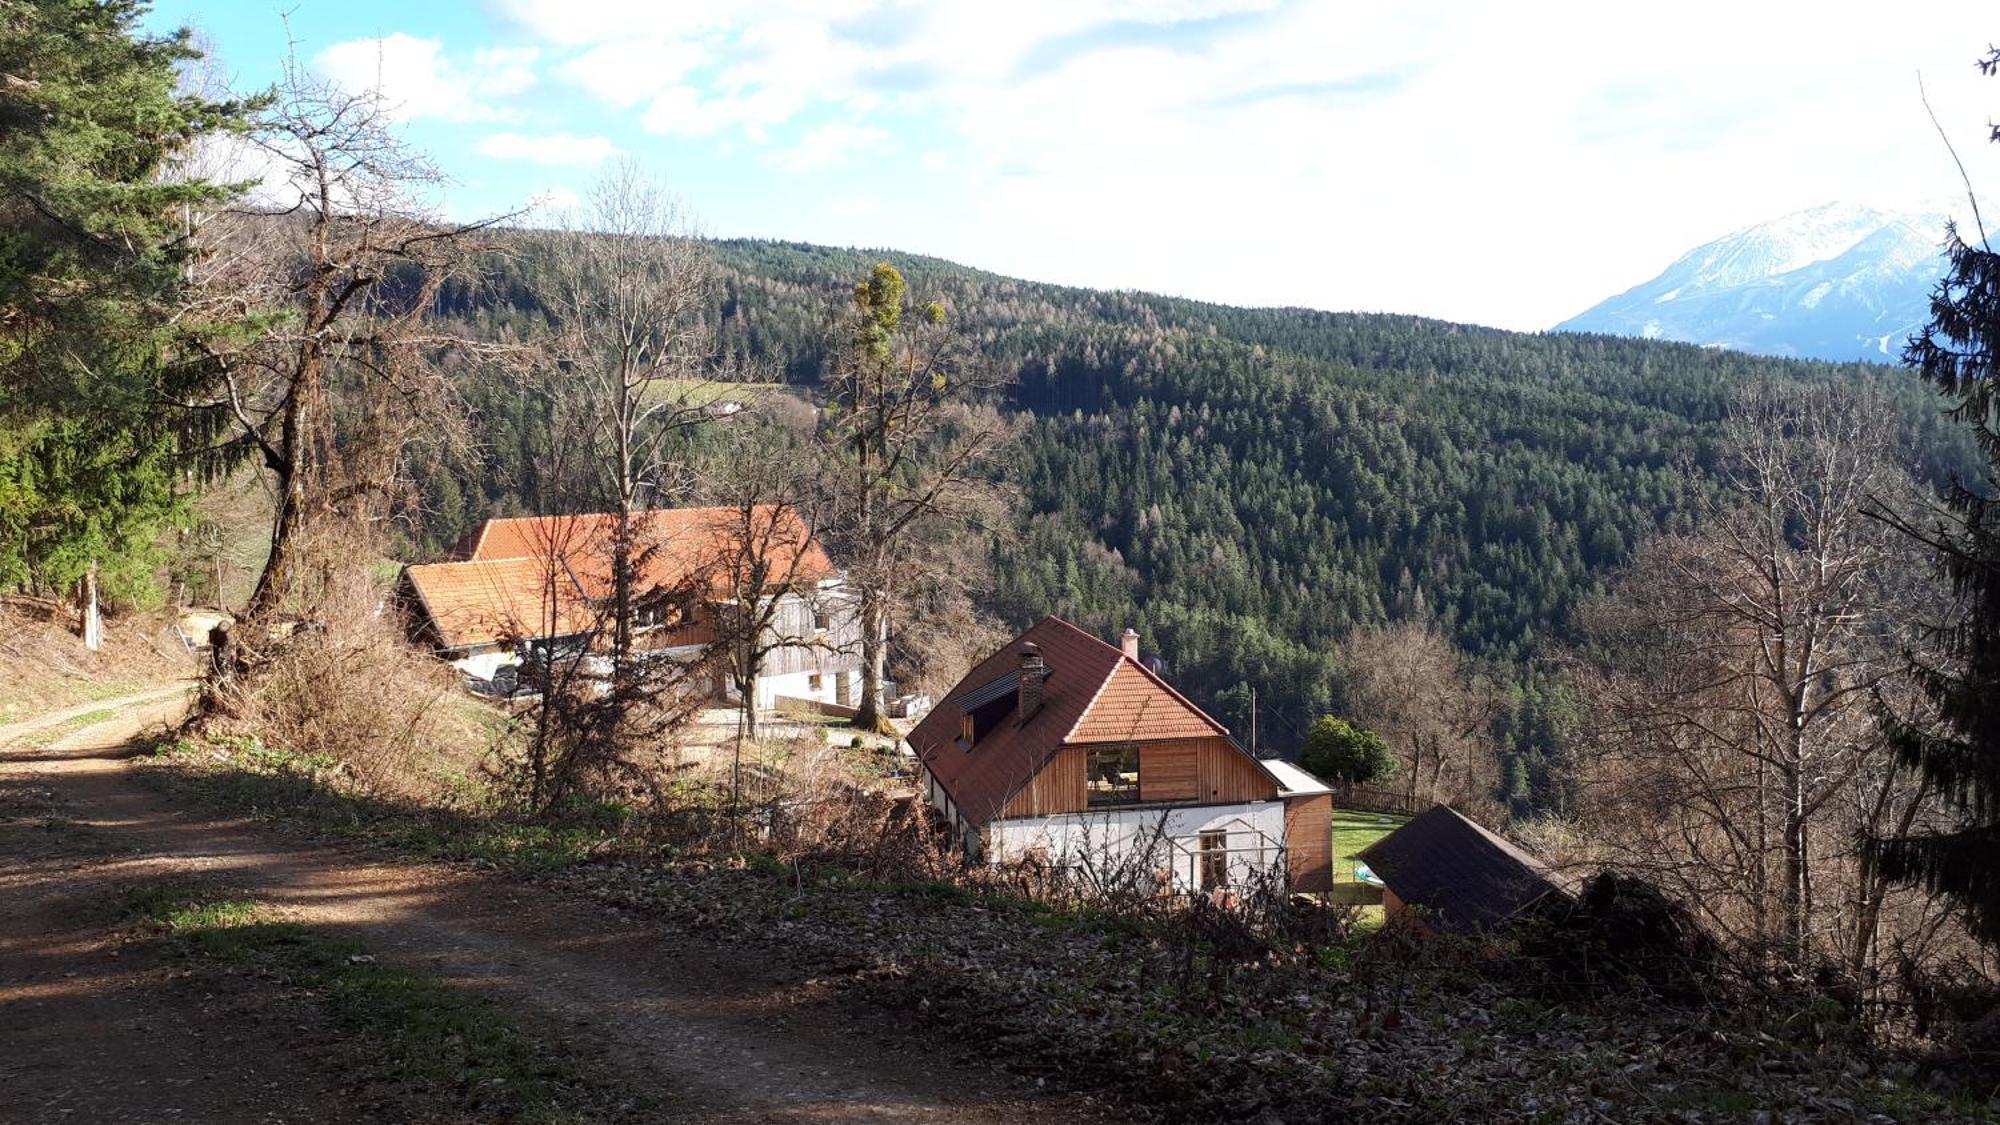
[[1114, 776]]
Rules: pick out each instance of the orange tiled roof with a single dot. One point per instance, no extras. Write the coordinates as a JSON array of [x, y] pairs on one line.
[[481, 602], [499, 589], [674, 544]]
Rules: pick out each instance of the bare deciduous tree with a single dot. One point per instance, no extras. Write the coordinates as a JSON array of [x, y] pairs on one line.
[[626, 288], [1415, 688], [334, 267], [1738, 755]]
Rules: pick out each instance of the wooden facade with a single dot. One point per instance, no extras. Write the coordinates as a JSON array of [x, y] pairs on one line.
[[1309, 841], [1056, 788], [1209, 771]]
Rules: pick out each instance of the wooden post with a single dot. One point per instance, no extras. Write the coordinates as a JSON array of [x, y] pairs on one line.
[[93, 618]]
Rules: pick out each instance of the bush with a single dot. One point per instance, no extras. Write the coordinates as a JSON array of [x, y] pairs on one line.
[[1337, 750]]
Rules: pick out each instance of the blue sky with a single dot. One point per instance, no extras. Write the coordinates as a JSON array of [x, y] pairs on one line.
[[1501, 164]]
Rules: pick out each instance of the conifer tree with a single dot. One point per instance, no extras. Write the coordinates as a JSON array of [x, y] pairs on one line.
[[1958, 354], [93, 250]]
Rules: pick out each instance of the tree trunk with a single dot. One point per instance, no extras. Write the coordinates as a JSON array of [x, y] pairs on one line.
[[869, 713], [1796, 894], [292, 466]]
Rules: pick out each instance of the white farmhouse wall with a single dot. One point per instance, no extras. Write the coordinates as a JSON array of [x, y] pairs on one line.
[[1256, 837], [799, 685]]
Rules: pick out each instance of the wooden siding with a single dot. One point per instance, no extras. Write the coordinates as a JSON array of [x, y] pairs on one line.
[[1057, 788], [1228, 775], [1207, 771], [836, 649], [1170, 771], [1309, 842]]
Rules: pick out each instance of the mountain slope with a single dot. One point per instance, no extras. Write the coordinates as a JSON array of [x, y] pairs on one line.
[[1838, 282], [1248, 486]]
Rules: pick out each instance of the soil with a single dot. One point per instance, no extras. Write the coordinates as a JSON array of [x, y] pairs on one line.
[[95, 1028]]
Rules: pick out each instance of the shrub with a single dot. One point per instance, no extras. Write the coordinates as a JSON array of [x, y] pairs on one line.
[[1337, 750]]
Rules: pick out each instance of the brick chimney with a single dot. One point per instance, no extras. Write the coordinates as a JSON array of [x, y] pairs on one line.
[[1031, 680], [1129, 644]]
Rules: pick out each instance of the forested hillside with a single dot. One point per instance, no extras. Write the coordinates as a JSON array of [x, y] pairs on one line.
[[1246, 486]]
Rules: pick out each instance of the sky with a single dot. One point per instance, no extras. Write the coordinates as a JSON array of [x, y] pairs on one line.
[[1502, 164]]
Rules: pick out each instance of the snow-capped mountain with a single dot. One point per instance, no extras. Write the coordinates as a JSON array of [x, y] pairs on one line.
[[1839, 281]]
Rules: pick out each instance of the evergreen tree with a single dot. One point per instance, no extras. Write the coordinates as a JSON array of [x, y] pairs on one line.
[[1337, 750], [93, 256], [1958, 354]]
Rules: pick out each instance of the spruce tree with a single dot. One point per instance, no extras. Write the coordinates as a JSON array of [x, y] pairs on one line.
[[1957, 353], [93, 254]]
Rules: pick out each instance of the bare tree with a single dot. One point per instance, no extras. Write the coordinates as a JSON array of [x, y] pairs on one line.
[[769, 565], [626, 287], [1738, 750], [334, 266], [1421, 694], [591, 732], [913, 442]]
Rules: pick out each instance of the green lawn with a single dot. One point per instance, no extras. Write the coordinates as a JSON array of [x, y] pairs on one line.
[[1353, 831]]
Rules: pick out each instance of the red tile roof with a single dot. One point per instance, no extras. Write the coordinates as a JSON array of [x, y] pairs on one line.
[[1093, 694], [500, 589], [478, 603], [674, 543]]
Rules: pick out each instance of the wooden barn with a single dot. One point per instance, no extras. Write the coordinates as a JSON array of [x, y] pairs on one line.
[[1442, 872]]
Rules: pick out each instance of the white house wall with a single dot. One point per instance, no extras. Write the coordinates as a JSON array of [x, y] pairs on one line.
[[799, 685], [1105, 837]]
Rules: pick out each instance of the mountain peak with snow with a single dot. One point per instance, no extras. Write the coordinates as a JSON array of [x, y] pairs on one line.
[[1839, 281]]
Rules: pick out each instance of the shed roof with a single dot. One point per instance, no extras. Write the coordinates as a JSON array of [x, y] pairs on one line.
[[1092, 693], [1293, 781], [1468, 878]]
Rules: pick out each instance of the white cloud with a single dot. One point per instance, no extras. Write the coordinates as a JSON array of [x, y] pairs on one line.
[[1477, 162], [548, 148], [628, 72], [831, 146], [417, 80], [555, 201]]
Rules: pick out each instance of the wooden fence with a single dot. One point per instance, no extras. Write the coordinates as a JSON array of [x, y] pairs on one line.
[[1369, 798]]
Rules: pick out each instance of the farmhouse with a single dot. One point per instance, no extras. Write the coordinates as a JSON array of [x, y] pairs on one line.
[[538, 582], [1071, 749], [1442, 872]]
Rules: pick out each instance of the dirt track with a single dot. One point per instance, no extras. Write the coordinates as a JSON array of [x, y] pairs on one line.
[[88, 1032]]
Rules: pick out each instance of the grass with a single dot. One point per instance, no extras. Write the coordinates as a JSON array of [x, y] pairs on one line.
[[286, 786], [450, 1050], [1353, 832], [49, 736]]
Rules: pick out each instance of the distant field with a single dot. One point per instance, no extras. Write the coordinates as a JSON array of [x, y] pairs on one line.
[[702, 392]]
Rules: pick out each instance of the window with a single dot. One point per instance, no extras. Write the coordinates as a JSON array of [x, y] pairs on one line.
[[813, 683], [966, 733], [1214, 850], [1113, 777], [822, 620]]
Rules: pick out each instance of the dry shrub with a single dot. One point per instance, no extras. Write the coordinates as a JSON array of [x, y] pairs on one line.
[[340, 685]]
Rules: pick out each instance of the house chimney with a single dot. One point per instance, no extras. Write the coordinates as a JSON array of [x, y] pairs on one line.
[[1129, 644], [1030, 680]]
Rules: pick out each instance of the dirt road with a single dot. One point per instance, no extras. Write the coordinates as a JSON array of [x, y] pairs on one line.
[[88, 1032], [100, 726]]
